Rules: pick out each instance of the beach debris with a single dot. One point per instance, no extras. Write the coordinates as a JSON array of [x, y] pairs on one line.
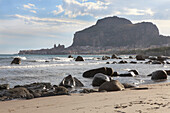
[[113, 85], [99, 79], [16, 61], [159, 74], [70, 82], [105, 70], [79, 58]]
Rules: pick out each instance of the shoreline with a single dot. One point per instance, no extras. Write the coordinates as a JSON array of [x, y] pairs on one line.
[[154, 99]]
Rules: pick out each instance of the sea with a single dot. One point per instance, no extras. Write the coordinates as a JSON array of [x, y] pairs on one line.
[[53, 68]]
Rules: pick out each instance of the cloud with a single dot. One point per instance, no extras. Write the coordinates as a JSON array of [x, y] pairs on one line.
[[51, 21], [33, 11], [29, 6], [75, 8], [60, 10], [134, 11]]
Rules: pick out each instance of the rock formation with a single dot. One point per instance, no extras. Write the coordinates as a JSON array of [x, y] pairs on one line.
[[119, 32]]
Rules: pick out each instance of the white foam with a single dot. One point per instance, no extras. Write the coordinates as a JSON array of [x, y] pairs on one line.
[[22, 58]]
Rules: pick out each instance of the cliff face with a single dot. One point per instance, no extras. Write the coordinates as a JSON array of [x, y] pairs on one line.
[[119, 32]]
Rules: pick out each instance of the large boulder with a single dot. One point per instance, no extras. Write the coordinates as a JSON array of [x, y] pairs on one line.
[[140, 57], [69, 56], [16, 61], [135, 71], [112, 85], [158, 75], [99, 79], [70, 82], [79, 58], [105, 70]]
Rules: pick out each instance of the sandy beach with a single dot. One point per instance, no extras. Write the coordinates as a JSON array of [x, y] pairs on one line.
[[155, 99]]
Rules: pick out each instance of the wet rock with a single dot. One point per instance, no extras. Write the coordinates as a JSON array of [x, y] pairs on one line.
[[70, 82], [122, 62], [79, 58], [126, 85], [69, 56], [37, 86], [133, 62], [19, 92], [130, 57], [168, 72], [112, 85], [107, 62], [61, 91], [99, 79], [135, 71], [105, 70], [156, 62], [114, 62], [4, 86], [105, 57], [115, 74], [16, 61], [160, 74], [114, 56], [140, 57], [89, 91]]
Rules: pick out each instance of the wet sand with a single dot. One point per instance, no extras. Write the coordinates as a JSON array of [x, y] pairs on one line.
[[155, 99]]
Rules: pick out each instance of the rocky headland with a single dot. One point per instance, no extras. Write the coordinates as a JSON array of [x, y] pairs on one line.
[[111, 34]]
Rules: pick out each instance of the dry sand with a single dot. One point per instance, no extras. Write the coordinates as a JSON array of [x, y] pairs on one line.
[[156, 99]]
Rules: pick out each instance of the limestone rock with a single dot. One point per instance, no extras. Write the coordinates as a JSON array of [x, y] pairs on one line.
[[112, 85]]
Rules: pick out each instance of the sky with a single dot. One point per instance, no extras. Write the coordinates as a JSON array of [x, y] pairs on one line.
[[35, 24]]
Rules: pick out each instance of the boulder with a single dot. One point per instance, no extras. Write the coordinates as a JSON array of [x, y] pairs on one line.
[[99, 79], [133, 62], [70, 82], [4, 86], [156, 62], [114, 62], [160, 74], [61, 91], [135, 71], [112, 85], [105, 57], [79, 58], [107, 62], [16, 61], [122, 62], [168, 72], [140, 57], [114, 56], [69, 56], [105, 70], [130, 57]]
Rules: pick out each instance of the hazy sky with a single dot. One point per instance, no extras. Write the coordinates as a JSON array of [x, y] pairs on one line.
[[34, 24]]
